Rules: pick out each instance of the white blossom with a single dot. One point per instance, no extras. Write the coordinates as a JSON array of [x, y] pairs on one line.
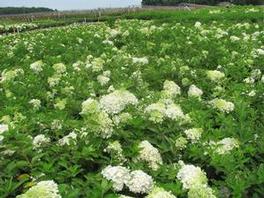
[[59, 68], [194, 91], [37, 66], [222, 105], [150, 154], [67, 139], [140, 182], [115, 148], [3, 128], [117, 101], [158, 192], [43, 189], [157, 112], [118, 175], [191, 176], [36, 103], [201, 191], [39, 140], [226, 145], [103, 80], [90, 106], [215, 75], [171, 89], [143, 61]]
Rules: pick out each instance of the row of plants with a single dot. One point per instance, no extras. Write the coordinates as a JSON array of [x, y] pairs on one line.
[[16, 28], [250, 14], [133, 108], [235, 14], [204, 2]]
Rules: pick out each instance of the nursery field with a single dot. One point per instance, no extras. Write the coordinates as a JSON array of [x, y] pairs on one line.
[[135, 108]]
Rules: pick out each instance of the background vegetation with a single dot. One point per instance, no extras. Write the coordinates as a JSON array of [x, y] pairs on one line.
[[207, 2], [23, 10]]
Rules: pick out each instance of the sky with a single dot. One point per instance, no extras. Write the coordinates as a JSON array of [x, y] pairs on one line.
[[70, 4]]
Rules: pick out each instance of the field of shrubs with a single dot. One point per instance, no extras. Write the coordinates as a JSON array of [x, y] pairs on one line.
[[134, 108]]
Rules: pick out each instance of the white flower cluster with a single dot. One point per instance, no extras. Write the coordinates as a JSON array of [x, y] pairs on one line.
[[96, 64], [104, 78], [226, 145], [193, 134], [17, 27], [140, 182], [122, 118], [150, 154], [158, 192], [115, 148], [37, 66], [191, 176], [90, 106], [118, 175], [171, 89], [194, 91], [56, 125], [117, 101], [234, 38], [214, 11], [105, 125], [54, 80], [142, 61], [66, 140], [8, 76], [3, 128], [215, 75], [36, 103], [43, 189], [201, 191], [137, 181], [59, 68], [181, 143], [60, 104], [77, 65], [39, 140], [260, 52], [113, 33], [254, 75], [198, 25], [252, 93], [222, 105], [161, 110], [92, 109], [194, 180], [68, 90]]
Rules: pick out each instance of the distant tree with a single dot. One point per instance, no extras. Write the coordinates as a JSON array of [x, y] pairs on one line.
[[248, 2], [23, 10]]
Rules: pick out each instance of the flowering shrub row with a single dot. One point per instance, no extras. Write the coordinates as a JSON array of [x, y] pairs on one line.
[[17, 27], [138, 109]]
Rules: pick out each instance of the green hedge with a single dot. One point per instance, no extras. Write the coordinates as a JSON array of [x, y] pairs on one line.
[[209, 2], [22, 10]]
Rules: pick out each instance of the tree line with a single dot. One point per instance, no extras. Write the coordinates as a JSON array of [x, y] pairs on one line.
[[23, 10], [205, 2]]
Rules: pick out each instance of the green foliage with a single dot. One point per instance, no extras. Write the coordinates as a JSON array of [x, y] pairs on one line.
[[176, 50], [204, 2]]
